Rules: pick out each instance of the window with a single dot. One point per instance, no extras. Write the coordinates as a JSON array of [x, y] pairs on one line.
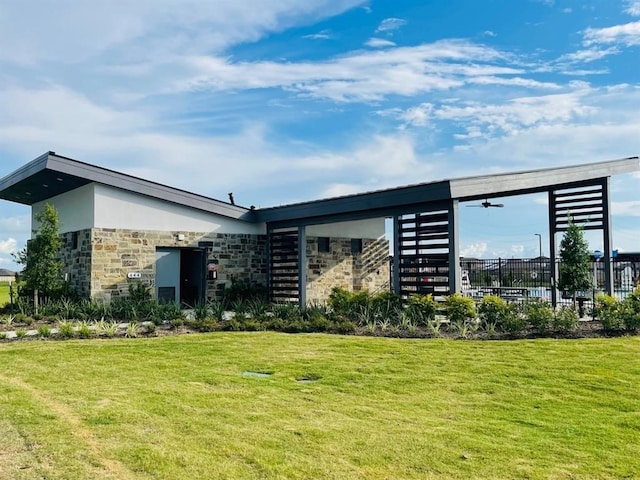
[[323, 245], [356, 246], [74, 240]]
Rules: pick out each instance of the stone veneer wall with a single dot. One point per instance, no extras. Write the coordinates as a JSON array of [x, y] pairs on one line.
[[368, 270], [77, 261], [116, 252]]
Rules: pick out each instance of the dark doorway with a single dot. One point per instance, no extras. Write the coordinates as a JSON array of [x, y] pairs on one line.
[[192, 276]]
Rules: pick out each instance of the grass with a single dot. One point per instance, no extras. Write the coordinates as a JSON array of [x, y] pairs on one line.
[[4, 293], [333, 408]]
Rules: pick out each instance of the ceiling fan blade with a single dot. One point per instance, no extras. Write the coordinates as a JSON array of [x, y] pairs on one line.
[[498, 205]]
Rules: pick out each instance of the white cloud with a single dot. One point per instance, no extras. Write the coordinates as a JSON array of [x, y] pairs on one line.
[[379, 43], [136, 31], [626, 209], [9, 245], [391, 24], [321, 35], [475, 250], [489, 33], [633, 8], [516, 250], [627, 34], [588, 55]]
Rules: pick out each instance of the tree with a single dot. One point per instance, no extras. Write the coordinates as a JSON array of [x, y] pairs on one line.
[[575, 262], [42, 269]]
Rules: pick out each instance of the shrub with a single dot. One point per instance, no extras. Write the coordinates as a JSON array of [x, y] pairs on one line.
[[132, 330], [349, 304], [492, 309], [610, 313], [65, 329], [539, 314], [206, 325], [3, 335], [44, 331], [566, 319], [631, 311], [459, 308], [84, 330], [21, 333], [513, 321], [421, 309], [139, 292]]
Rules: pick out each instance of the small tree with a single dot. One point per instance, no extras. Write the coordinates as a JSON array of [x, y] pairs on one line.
[[42, 270], [575, 262]]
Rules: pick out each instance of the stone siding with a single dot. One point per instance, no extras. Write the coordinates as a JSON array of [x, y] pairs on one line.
[[75, 255], [116, 252], [368, 270]]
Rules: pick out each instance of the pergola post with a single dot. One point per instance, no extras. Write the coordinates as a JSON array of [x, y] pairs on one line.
[[454, 248], [302, 265], [606, 230], [553, 266], [396, 255]]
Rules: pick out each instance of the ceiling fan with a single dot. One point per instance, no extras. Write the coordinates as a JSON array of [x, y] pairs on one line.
[[487, 204]]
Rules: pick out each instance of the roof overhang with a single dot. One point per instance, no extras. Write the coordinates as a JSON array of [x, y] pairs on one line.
[[50, 175], [436, 195]]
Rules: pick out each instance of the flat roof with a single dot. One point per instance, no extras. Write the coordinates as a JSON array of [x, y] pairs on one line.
[[50, 175]]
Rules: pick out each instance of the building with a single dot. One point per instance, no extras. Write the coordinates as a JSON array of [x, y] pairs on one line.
[[119, 229]]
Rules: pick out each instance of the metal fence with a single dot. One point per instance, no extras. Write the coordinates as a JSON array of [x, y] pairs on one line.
[[518, 279]]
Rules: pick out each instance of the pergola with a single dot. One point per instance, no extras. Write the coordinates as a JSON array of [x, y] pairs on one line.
[[425, 220]]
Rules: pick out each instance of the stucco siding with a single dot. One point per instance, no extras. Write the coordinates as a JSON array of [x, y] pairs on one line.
[[120, 209]]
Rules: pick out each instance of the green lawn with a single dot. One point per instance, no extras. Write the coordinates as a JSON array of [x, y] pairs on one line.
[[4, 293], [180, 408]]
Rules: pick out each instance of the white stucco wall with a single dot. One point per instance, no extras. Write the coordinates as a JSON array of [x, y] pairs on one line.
[[116, 208], [370, 228], [75, 209]]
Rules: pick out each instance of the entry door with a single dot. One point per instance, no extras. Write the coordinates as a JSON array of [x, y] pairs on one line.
[[168, 275]]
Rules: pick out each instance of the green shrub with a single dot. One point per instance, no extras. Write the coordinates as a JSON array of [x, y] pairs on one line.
[[566, 319], [349, 304], [631, 311], [539, 315], [21, 333], [132, 330], [459, 308], [513, 322], [206, 325], [421, 309], [3, 335], [44, 331], [66, 329], [139, 292], [84, 329], [492, 309], [609, 312]]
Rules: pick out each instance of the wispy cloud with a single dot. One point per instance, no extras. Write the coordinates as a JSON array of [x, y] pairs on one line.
[[8, 246], [633, 8], [627, 34], [379, 43], [321, 35], [391, 24]]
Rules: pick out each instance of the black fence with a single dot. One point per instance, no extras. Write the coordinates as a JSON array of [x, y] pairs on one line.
[[518, 278]]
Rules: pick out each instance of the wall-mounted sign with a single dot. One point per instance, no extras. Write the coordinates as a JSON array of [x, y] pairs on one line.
[[134, 275]]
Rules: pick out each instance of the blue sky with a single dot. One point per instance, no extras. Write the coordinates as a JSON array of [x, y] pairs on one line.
[[283, 101]]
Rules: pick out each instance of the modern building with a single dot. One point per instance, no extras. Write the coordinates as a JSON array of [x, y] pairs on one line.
[[119, 229]]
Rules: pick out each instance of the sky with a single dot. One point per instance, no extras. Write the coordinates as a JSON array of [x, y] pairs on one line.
[[286, 101]]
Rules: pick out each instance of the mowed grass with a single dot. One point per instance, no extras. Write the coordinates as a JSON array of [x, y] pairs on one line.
[[370, 408], [4, 293]]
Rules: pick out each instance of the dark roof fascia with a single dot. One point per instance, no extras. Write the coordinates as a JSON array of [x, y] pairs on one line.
[[91, 173], [413, 198], [429, 196]]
